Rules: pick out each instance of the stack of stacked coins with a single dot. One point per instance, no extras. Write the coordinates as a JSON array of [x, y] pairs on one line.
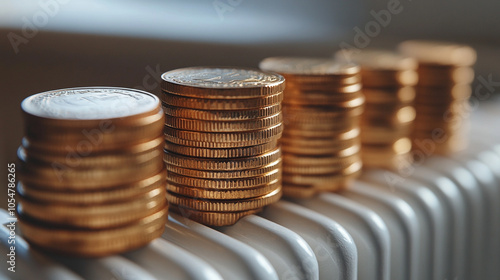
[[388, 80], [221, 142], [321, 111], [93, 177], [442, 95]]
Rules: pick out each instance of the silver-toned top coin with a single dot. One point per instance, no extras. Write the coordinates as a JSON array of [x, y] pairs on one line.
[[90, 103], [220, 82]]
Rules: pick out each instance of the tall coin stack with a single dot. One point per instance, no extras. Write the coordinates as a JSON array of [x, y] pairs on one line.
[[321, 112], [442, 94], [221, 142], [93, 177], [388, 85]]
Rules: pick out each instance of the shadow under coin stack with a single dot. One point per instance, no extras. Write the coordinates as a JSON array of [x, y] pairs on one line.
[[388, 85], [321, 111], [442, 95], [93, 177], [221, 142]]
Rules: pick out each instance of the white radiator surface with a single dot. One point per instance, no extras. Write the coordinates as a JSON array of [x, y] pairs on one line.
[[438, 220]]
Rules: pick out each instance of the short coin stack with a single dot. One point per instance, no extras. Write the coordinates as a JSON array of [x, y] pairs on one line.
[[442, 95], [93, 177], [221, 142], [388, 80], [321, 111]]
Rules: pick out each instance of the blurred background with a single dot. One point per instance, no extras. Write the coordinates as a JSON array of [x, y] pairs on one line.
[[51, 44]]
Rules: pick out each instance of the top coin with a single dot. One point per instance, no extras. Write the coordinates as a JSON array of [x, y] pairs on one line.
[[442, 53], [308, 66], [90, 103], [220, 82], [379, 60]]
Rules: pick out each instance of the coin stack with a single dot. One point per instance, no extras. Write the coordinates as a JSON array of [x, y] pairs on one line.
[[321, 112], [92, 172], [388, 85], [221, 142], [442, 94]]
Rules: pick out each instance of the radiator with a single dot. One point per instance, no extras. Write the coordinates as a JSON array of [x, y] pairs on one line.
[[438, 220]]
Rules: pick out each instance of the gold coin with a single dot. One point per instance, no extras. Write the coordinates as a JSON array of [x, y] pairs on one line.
[[306, 191], [340, 176], [312, 128], [294, 191], [441, 53], [318, 115], [321, 141], [451, 146], [312, 150], [292, 131], [390, 161], [383, 68], [439, 132], [223, 174], [451, 109], [223, 163], [221, 184], [89, 197], [294, 95], [318, 169], [106, 137], [231, 83], [247, 138], [401, 116], [334, 92], [226, 193], [225, 205], [389, 79], [309, 67], [222, 115], [400, 146], [224, 126], [320, 81], [448, 125], [221, 152], [319, 99], [216, 219], [349, 151], [434, 75], [135, 154], [221, 145], [400, 95], [319, 150], [290, 160], [448, 146], [96, 216], [431, 95], [92, 243], [220, 104], [60, 177], [337, 107], [383, 134], [378, 60]]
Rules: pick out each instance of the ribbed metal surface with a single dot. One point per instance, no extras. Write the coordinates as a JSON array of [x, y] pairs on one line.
[[439, 221]]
